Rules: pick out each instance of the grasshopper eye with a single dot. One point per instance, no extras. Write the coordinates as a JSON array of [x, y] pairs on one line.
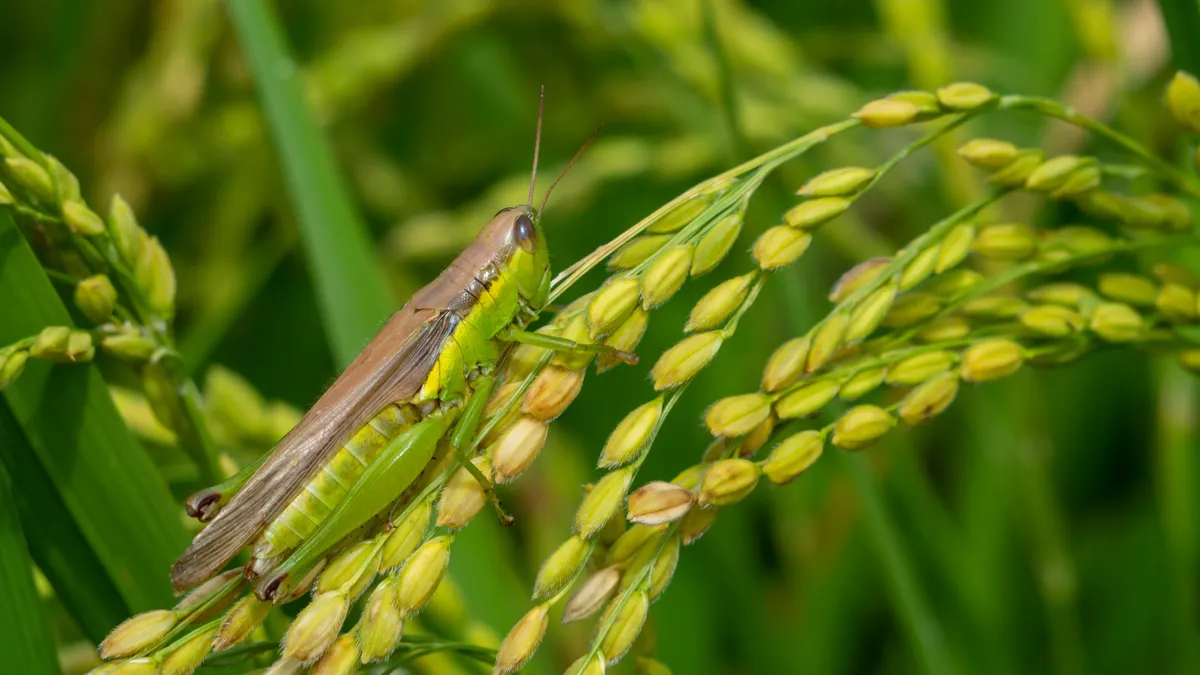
[[525, 233]]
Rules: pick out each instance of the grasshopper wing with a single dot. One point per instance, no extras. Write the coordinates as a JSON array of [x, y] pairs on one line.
[[391, 368]]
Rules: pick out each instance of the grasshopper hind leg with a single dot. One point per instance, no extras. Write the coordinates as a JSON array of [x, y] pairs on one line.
[[204, 505]]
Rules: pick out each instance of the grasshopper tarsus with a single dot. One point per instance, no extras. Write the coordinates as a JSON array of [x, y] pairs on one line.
[[625, 357], [203, 505]]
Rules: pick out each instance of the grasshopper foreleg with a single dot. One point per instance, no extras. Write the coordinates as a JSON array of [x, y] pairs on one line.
[[562, 344], [464, 432]]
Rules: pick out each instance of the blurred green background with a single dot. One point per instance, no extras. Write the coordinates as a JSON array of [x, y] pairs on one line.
[[1049, 522]]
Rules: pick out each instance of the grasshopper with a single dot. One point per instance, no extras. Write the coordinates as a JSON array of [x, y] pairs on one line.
[[423, 380]]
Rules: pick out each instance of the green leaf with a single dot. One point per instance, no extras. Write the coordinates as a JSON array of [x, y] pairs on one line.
[[25, 638], [55, 542], [352, 293], [107, 482]]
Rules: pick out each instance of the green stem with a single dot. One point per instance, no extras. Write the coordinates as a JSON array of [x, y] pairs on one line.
[[916, 615], [725, 81], [1052, 108], [1182, 21], [1175, 471]]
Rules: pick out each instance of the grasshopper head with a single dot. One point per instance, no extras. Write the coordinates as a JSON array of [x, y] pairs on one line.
[[527, 255]]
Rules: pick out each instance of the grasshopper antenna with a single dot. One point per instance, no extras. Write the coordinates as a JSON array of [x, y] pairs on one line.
[[537, 144], [568, 166]]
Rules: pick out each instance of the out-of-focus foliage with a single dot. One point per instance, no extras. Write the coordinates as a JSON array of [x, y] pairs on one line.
[[1049, 520]]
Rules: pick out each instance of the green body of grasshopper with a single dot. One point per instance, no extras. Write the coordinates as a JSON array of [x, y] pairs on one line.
[[425, 375]]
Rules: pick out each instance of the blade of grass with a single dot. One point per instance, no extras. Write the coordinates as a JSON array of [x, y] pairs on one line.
[[55, 542], [352, 293], [25, 638], [108, 483], [914, 611], [1182, 21]]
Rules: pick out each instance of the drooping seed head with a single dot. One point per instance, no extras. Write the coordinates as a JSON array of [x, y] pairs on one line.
[[636, 251], [857, 277], [1129, 288], [664, 568], [1176, 303], [757, 436], [81, 220], [79, 347], [137, 633], [929, 399], [992, 359], [522, 641], [920, 367], [350, 570], [612, 305], [994, 307], [1052, 320], [382, 623], [551, 392], [862, 383], [658, 502], [912, 308], [954, 247], [737, 415], [869, 313], [786, 364], [681, 215], [681, 362], [592, 594], [628, 440], [715, 244], [666, 275], [813, 213], [340, 659], [186, 658], [1005, 241], [840, 182], [625, 338], [861, 426], [1079, 182], [920, 268], [1183, 100], [827, 340], [588, 665], [129, 345], [245, 615], [602, 502], [31, 177], [316, 627], [780, 246], [1017, 171], [945, 329], [1053, 173], [1116, 322], [887, 112], [560, 567], [634, 539], [719, 303], [421, 575], [807, 400], [51, 343], [728, 481], [962, 96], [408, 534], [517, 448], [793, 456], [988, 153], [627, 621], [696, 523], [463, 496]]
